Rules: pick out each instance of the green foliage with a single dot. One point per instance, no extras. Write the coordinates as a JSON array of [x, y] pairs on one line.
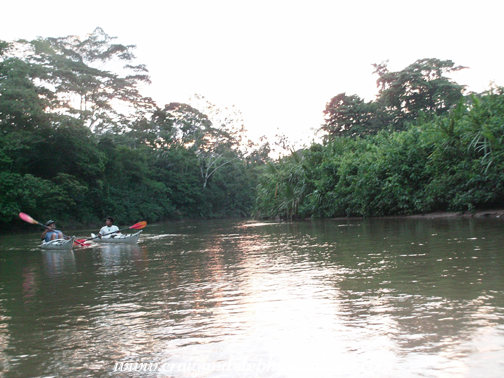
[[70, 150], [23, 103], [419, 89], [351, 116], [468, 158], [419, 147], [283, 187], [73, 68], [39, 197], [453, 161]]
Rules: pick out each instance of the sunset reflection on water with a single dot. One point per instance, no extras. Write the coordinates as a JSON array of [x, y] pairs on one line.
[[326, 299]]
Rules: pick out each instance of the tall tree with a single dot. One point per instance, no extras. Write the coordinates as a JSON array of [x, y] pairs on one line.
[[350, 116], [181, 124], [102, 99], [23, 103], [223, 142], [422, 87]]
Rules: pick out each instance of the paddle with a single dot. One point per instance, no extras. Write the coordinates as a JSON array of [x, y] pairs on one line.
[[29, 219], [136, 226]]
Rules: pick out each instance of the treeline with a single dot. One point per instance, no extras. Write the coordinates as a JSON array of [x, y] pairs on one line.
[[421, 146], [79, 142]]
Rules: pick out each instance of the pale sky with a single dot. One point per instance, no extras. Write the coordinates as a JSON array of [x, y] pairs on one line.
[[277, 61]]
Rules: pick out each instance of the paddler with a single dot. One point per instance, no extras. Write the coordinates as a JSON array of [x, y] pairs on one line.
[[50, 233], [109, 228]]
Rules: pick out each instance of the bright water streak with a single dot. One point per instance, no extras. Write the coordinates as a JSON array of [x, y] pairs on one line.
[[375, 298]]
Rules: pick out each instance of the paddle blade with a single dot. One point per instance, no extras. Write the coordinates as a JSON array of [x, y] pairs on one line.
[[27, 218], [139, 225]]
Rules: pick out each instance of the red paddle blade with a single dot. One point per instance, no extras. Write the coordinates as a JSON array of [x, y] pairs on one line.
[[139, 225], [27, 218]]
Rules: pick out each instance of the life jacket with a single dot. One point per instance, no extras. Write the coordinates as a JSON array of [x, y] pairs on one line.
[[49, 234]]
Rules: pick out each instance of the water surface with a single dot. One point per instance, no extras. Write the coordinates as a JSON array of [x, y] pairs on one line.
[[374, 298]]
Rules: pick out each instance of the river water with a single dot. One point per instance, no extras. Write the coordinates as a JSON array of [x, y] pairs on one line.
[[352, 298]]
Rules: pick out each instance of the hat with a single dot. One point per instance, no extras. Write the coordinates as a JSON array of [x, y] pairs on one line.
[[49, 222]]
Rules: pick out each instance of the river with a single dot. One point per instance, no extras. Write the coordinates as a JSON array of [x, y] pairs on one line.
[[242, 298]]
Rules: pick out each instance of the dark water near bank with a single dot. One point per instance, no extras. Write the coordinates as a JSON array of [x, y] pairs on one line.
[[375, 298]]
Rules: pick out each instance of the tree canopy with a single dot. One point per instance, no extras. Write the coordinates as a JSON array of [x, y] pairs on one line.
[[422, 88], [448, 162], [78, 141]]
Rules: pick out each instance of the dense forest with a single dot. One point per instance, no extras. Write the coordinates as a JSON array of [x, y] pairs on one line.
[[421, 146], [78, 142]]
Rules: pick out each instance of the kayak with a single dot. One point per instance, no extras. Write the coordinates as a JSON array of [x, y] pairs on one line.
[[121, 238], [59, 244]]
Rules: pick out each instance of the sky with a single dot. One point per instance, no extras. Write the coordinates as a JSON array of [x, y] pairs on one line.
[[279, 62]]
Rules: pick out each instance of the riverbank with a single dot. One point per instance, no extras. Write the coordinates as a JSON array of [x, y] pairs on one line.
[[494, 213]]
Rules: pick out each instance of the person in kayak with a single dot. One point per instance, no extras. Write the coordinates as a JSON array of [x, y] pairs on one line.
[[50, 233], [109, 228]]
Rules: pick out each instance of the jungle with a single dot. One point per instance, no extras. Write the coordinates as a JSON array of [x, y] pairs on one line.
[[79, 141]]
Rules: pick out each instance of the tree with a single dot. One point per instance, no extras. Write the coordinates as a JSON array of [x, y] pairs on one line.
[[23, 103], [350, 116], [181, 124], [419, 88], [222, 142], [73, 70], [70, 149]]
